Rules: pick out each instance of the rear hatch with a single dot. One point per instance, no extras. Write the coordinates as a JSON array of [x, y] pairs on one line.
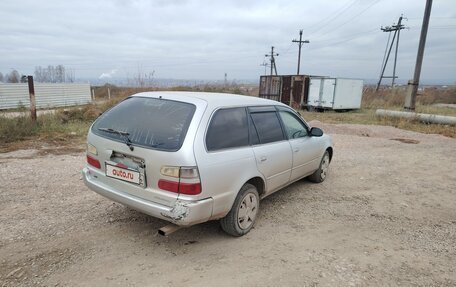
[[135, 139]]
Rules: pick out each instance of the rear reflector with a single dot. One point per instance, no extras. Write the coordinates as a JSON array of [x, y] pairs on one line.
[[184, 188], [93, 162]]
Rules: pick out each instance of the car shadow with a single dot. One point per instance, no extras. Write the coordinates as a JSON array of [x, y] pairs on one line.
[[139, 224]]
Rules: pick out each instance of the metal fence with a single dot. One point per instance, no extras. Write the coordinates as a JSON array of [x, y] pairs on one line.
[[47, 95]]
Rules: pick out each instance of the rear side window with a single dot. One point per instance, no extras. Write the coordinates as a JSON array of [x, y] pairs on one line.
[[268, 126], [150, 122], [228, 129]]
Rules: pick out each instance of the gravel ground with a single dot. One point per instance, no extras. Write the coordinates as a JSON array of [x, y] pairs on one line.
[[385, 216]]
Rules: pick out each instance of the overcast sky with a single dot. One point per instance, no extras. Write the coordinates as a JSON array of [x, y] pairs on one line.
[[183, 39]]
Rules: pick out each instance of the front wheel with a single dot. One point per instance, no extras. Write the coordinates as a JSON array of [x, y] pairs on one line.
[[242, 215], [320, 174]]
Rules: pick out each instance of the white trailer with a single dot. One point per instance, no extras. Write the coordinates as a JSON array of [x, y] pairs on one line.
[[334, 93]]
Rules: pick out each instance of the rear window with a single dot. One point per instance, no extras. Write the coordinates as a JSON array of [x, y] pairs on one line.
[[228, 129], [150, 122]]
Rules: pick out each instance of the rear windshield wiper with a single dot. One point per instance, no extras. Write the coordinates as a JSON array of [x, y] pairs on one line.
[[124, 135]]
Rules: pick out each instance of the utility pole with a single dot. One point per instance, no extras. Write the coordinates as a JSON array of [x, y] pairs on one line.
[[300, 42], [412, 89], [265, 65], [272, 59], [397, 30]]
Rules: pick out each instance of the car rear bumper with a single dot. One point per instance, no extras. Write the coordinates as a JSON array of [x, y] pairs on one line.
[[183, 213]]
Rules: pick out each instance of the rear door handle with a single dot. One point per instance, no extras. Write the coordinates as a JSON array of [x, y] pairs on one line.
[[263, 159], [296, 149]]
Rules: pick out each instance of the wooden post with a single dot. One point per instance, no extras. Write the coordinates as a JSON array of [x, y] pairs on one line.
[[93, 94], [109, 93], [32, 98]]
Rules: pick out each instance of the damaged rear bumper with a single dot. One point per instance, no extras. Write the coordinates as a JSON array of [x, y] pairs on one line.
[[183, 213]]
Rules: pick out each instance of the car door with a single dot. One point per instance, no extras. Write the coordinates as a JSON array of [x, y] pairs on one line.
[[306, 150], [271, 148]]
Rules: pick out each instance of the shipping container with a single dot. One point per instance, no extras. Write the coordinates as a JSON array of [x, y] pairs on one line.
[[334, 93], [313, 92], [289, 89]]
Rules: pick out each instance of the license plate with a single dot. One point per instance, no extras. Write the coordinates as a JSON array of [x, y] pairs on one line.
[[124, 174]]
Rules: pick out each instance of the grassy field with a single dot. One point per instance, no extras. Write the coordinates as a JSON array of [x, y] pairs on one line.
[[70, 126], [368, 117]]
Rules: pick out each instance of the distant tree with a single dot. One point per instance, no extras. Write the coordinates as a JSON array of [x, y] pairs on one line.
[[52, 74], [69, 76], [1, 77], [13, 77], [142, 79], [39, 74], [59, 74]]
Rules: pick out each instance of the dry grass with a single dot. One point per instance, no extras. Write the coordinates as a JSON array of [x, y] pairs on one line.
[[387, 97], [64, 126], [368, 117], [394, 99]]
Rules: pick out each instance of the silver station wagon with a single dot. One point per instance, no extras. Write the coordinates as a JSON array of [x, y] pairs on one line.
[[190, 157]]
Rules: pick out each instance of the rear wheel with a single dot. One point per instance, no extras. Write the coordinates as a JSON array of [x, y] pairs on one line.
[[320, 174], [242, 215]]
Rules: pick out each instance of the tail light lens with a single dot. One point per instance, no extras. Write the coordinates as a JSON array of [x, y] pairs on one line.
[[93, 162], [187, 180], [168, 185], [190, 188]]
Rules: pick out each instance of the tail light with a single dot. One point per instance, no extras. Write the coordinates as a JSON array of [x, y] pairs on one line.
[[186, 181], [93, 162]]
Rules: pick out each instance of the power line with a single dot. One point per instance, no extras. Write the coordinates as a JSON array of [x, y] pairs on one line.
[[433, 18], [288, 50], [339, 12], [351, 19], [436, 27], [344, 39]]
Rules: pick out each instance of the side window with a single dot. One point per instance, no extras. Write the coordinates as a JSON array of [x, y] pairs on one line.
[[268, 126], [229, 128], [293, 126]]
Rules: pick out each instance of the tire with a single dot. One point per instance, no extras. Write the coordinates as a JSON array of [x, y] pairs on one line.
[[321, 173], [242, 215]]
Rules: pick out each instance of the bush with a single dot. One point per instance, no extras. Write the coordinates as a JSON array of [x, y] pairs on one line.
[[14, 129]]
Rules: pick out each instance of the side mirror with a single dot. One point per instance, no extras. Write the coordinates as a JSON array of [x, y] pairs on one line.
[[316, 132]]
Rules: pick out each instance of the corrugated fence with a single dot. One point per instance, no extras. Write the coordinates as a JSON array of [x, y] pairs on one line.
[[46, 95]]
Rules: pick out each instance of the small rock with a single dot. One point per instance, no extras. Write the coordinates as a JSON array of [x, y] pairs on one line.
[[20, 274], [14, 272]]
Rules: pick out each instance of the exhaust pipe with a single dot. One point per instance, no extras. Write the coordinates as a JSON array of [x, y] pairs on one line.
[[168, 229]]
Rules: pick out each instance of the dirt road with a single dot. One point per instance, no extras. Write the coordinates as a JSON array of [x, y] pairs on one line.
[[385, 216]]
